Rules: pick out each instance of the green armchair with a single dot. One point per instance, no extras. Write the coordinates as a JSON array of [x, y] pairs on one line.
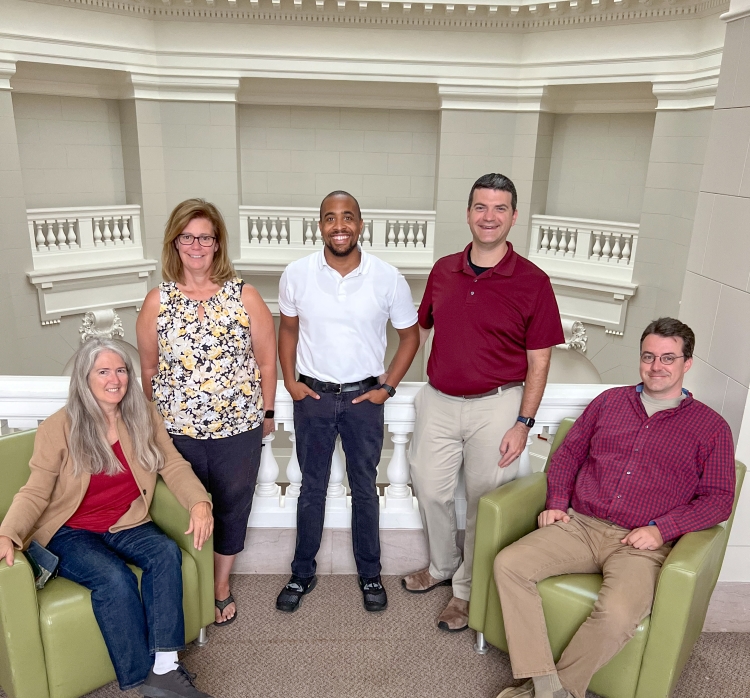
[[50, 643], [650, 664]]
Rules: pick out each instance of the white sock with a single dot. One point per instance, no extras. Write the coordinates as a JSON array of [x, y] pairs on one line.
[[165, 662], [547, 685]]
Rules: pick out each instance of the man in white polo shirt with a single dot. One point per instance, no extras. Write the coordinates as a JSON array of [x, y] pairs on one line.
[[335, 305]]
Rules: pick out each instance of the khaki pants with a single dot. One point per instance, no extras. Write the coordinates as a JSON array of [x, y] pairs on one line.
[[451, 432], [584, 545]]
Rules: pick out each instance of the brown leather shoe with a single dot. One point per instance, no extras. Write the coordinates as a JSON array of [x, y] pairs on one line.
[[455, 616], [422, 581]]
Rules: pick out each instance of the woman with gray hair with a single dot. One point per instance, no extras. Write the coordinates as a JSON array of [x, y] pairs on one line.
[[93, 474]]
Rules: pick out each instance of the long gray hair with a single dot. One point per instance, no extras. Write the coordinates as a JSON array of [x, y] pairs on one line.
[[89, 447]]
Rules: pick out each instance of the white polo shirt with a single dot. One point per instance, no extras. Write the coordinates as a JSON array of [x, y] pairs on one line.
[[342, 319]]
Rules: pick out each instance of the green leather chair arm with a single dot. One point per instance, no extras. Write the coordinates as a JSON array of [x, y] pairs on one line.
[[23, 673], [169, 515], [684, 589], [503, 516]]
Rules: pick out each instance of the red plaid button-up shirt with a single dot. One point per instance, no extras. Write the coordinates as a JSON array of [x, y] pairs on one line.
[[675, 468]]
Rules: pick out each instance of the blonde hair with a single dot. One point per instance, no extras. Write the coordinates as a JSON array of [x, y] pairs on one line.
[[171, 264], [89, 448]]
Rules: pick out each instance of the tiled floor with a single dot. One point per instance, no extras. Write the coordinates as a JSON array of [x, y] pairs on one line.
[[270, 551]]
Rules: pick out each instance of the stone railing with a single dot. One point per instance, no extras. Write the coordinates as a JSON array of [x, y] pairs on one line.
[[271, 237], [90, 234], [26, 400], [593, 259], [87, 258]]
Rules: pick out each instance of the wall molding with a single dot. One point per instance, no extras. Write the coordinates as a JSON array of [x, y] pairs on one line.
[[496, 15]]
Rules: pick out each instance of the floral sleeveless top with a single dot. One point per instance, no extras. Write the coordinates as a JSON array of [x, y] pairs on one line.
[[208, 382]]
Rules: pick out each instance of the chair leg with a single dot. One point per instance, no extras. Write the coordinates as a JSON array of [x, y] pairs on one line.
[[202, 639], [481, 646]]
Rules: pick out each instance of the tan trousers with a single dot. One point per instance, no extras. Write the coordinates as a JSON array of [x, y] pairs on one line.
[[451, 432], [584, 545]]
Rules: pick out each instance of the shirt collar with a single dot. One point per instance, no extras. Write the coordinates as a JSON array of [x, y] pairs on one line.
[[504, 267], [685, 392], [363, 268]]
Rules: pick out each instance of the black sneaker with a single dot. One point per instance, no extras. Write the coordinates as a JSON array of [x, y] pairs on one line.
[[173, 684], [290, 596], [373, 594]]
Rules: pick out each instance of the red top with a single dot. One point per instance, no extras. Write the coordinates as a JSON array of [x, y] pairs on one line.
[[107, 498], [675, 468], [484, 324]]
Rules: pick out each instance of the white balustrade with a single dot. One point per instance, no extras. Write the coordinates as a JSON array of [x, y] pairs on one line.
[[594, 259], [69, 237], [271, 237], [26, 400]]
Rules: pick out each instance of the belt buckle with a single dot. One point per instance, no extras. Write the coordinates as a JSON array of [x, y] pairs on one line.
[[340, 385]]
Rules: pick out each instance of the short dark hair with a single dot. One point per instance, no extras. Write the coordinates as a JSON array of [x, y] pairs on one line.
[[340, 192], [669, 327], [498, 182]]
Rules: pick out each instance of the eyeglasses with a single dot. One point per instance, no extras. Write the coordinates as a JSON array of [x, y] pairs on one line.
[[667, 359], [203, 240]]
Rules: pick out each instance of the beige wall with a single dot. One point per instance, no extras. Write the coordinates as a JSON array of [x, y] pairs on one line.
[[599, 164], [293, 156], [70, 150], [716, 294]]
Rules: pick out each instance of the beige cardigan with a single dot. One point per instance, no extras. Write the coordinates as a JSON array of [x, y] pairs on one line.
[[53, 494]]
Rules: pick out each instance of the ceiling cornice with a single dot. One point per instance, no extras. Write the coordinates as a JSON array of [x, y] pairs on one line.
[[497, 15]]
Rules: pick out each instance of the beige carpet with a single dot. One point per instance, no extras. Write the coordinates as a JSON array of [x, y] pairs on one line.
[[332, 647]]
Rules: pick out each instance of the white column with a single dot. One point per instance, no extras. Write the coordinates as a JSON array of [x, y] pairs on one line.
[[266, 490], [293, 473], [398, 493]]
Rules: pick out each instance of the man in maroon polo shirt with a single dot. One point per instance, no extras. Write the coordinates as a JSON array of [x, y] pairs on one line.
[[496, 321]]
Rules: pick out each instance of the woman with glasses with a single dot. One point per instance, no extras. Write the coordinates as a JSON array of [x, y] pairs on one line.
[[208, 360]]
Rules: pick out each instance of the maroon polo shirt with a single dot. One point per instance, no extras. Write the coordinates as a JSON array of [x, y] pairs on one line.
[[484, 324]]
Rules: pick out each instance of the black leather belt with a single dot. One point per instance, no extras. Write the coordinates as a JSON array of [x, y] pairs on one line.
[[494, 391], [323, 387]]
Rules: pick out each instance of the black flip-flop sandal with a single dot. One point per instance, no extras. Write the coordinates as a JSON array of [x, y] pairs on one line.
[[221, 605]]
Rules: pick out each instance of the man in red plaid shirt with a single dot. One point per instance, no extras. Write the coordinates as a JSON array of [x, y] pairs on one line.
[[642, 466]]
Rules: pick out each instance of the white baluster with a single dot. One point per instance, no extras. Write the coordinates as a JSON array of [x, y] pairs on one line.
[[626, 251], [107, 231], [268, 472], [398, 492], [293, 474], [336, 487], [544, 244], [616, 249], [51, 239], [367, 233], [39, 237], [563, 247], [263, 233], [391, 235], [553, 242], [401, 237], [596, 252], [284, 232], [308, 233], [420, 235], [274, 235], [98, 231], [524, 460], [572, 244], [127, 230], [254, 234], [410, 235], [116, 230], [61, 238], [607, 249]]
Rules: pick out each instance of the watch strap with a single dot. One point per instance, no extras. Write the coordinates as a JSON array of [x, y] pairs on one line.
[[389, 389]]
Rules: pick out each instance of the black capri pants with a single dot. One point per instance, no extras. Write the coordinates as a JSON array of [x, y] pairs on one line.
[[228, 469]]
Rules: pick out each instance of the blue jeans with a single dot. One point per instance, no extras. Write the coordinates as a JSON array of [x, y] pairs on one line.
[[316, 425], [134, 625]]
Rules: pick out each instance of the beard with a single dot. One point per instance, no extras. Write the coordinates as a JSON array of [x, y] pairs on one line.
[[342, 253]]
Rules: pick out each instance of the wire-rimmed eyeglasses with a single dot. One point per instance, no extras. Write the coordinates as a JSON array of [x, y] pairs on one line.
[[648, 358]]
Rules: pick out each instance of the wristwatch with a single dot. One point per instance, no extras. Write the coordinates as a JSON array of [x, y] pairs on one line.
[[528, 421], [388, 389], [269, 414]]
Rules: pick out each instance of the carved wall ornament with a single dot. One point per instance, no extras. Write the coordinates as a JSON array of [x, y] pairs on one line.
[[101, 323]]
